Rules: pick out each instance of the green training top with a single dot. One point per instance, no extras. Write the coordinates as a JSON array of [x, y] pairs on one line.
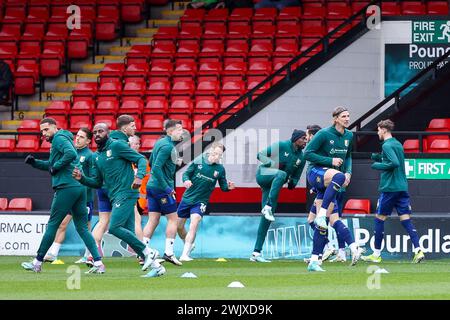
[[86, 160], [391, 162], [204, 176], [284, 156], [163, 163], [112, 167], [63, 158], [328, 143]]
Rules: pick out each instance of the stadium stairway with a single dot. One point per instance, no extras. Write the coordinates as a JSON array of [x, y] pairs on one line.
[[87, 70], [115, 52]]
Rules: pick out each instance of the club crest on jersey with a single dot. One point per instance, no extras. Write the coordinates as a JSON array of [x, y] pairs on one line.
[[286, 154], [82, 158], [346, 142], [297, 163], [216, 174], [199, 167], [331, 141], [318, 179], [108, 153]]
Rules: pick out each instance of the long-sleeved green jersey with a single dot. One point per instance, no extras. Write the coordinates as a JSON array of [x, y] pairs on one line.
[[163, 164], [284, 156], [391, 163], [63, 158], [112, 169], [86, 161], [328, 143], [204, 176]]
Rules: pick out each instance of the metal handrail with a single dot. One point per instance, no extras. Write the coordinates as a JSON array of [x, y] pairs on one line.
[[287, 67], [434, 67], [418, 134]]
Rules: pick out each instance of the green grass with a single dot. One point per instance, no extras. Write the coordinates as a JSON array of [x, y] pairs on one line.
[[277, 280]]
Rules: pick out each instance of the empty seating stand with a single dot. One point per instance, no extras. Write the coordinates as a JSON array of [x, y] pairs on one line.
[[191, 71], [435, 143]]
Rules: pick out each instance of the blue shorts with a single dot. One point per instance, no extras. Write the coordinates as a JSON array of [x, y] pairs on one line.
[[185, 210], [104, 204], [390, 200], [90, 207], [159, 201], [316, 178]]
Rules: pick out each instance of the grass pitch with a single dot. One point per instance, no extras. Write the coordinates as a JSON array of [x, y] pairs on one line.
[[277, 280]]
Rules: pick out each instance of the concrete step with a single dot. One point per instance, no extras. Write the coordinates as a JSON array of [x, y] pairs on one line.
[[172, 14], [180, 5], [27, 115], [7, 136], [93, 67], [39, 105], [10, 125], [162, 23], [118, 50], [109, 59], [52, 95], [83, 77], [65, 86], [146, 32], [135, 40]]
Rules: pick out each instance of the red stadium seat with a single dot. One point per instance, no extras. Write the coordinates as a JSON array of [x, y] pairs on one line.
[[45, 146], [27, 143], [390, 8], [148, 142], [153, 122], [412, 8], [216, 16], [108, 119], [437, 7], [412, 146], [206, 104], [157, 105], [181, 105], [78, 121], [207, 88], [438, 125], [20, 204], [29, 126], [440, 146], [357, 206], [314, 10], [3, 204], [289, 15], [107, 105], [131, 10], [83, 107], [7, 145]]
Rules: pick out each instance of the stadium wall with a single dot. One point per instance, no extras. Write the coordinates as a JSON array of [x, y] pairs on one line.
[[18, 180], [234, 236]]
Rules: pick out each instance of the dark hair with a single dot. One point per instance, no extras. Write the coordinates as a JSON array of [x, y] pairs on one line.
[[170, 123], [123, 120], [313, 128], [87, 131], [338, 110], [386, 124], [48, 120]]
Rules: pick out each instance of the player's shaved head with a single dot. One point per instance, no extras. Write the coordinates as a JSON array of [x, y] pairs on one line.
[[101, 125], [101, 134]]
